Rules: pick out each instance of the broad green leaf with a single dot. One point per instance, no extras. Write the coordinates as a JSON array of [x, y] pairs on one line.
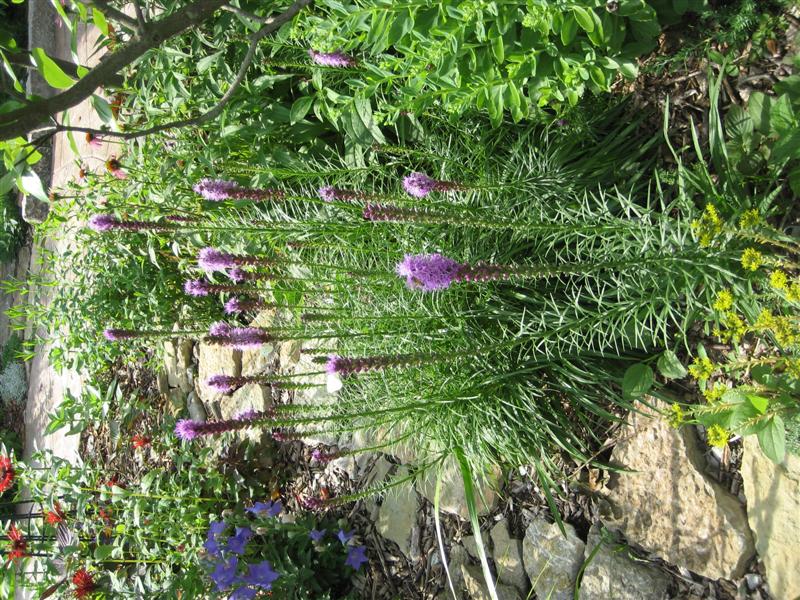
[[787, 146], [781, 117], [102, 552], [629, 69], [759, 402], [51, 72], [100, 21], [669, 365], [583, 18], [637, 381], [30, 184], [300, 109], [759, 106], [773, 439], [738, 123], [103, 109], [680, 6], [569, 30]]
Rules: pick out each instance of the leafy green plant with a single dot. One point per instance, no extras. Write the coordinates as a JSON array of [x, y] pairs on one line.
[[453, 56]]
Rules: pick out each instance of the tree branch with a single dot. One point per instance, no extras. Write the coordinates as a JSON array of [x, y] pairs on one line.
[[140, 20], [270, 25], [112, 13], [242, 13], [19, 122]]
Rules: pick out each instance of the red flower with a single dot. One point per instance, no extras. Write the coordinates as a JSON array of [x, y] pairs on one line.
[[83, 582], [56, 516], [6, 473], [140, 441], [114, 481], [19, 546], [105, 515]]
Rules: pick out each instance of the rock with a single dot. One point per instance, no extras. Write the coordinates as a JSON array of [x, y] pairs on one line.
[[216, 360], [551, 560], [669, 507], [398, 514], [468, 542], [453, 498], [612, 574], [197, 412], [376, 473], [456, 558], [163, 382], [290, 352], [178, 363], [177, 401], [34, 211], [260, 360], [475, 585], [507, 554], [773, 511], [251, 396]]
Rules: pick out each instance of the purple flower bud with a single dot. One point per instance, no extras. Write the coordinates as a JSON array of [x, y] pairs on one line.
[[211, 259], [103, 223], [222, 383], [116, 335], [429, 272], [186, 429], [219, 329], [418, 184], [239, 305], [332, 59], [327, 193], [321, 456], [215, 190], [197, 287], [181, 219], [242, 338]]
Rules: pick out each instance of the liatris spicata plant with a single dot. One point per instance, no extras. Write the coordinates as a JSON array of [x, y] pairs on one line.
[[226, 384], [211, 259], [240, 305], [346, 366], [201, 287], [240, 338], [187, 429], [217, 190], [332, 59], [103, 223], [331, 194], [420, 185]]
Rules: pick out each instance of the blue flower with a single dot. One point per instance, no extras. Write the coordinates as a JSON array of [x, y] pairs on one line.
[[238, 542], [244, 593], [214, 530], [225, 573], [316, 534], [261, 575], [356, 556], [344, 537], [273, 509]]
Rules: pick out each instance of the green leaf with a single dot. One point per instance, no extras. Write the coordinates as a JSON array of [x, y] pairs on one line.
[[759, 107], [773, 439], [300, 109], [569, 29], [787, 146], [205, 63], [437, 520], [102, 552], [629, 69], [739, 123], [30, 184], [759, 402], [794, 180], [100, 21], [51, 72], [637, 381], [498, 47], [669, 365], [103, 109], [583, 18], [680, 6], [781, 116]]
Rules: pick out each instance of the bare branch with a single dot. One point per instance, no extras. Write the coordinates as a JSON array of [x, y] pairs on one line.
[[19, 122], [242, 13], [140, 20], [270, 25], [112, 13]]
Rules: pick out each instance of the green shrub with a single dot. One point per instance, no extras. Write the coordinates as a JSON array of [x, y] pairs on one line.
[[11, 227]]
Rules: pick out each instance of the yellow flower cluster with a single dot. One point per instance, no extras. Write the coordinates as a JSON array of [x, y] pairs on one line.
[[765, 319], [750, 218], [677, 417], [715, 392], [752, 259], [793, 293], [717, 436], [708, 226], [724, 301], [735, 327], [702, 368], [783, 328], [779, 280]]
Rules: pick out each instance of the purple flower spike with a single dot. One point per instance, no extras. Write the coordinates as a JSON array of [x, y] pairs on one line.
[[186, 429], [333, 365], [219, 329], [247, 415], [215, 190], [356, 556], [429, 272], [197, 288], [103, 223], [222, 383], [246, 338], [327, 193], [237, 275], [419, 185], [211, 259], [332, 59], [115, 335], [240, 305], [261, 575]]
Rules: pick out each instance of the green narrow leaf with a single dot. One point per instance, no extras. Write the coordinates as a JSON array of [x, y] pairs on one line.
[[670, 366], [437, 493], [637, 381], [30, 184], [51, 72], [103, 109], [300, 109], [469, 493], [100, 21], [773, 439]]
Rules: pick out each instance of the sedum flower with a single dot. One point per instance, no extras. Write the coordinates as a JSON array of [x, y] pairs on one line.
[[702, 368], [676, 417], [750, 218], [708, 226], [752, 259], [793, 293], [779, 280], [724, 301], [717, 436]]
